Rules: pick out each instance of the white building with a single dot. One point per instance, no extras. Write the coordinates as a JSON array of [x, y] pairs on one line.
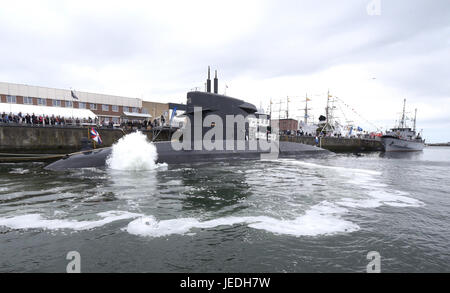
[[50, 101]]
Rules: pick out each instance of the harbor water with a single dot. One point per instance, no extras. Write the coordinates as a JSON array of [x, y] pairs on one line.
[[309, 215]]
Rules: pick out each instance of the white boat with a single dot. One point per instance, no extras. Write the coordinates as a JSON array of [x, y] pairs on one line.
[[403, 138]]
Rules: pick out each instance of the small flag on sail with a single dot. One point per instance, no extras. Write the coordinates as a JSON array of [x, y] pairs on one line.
[[95, 136], [73, 95]]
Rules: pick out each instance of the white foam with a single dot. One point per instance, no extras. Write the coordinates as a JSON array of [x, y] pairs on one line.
[[322, 219], [361, 203], [36, 221], [173, 183], [377, 192], [19, 171], [379, 195], [149, 226], [312, 165], [395, 198], [133, 152]]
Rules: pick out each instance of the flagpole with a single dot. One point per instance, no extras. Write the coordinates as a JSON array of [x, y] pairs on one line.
[[72, 99], [306, 110]]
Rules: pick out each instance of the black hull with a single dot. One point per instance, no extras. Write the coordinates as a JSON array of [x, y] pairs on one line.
[[166, 154]]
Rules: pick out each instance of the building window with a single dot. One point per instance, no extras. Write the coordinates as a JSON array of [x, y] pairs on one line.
[[125, 109], [144, 110], [11, 99], [135, 110], [105, 107], [69, 104], [28, 100], [115, 108], [41, 102], [115, 119], [56, 103], [93, 106], [81, 105]]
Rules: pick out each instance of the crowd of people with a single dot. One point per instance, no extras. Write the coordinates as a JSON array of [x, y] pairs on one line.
[[365, 134], [143, 124], [43, 119], [295, 133]]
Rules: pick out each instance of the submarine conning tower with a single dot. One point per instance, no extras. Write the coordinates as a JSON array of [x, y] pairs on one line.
[[215, 104]]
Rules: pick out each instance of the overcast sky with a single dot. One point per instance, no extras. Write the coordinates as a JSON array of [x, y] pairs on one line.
[[159, 50]]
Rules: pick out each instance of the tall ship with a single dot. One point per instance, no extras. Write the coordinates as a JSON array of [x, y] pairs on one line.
[[403, 138]]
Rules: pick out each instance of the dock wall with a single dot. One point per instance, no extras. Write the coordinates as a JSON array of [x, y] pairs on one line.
[[339, 144], [54, 139]]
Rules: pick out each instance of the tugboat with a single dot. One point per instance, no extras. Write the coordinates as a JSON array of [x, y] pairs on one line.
[[403, 138]]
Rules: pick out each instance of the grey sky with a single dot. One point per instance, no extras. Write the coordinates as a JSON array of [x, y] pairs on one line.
[[263, 49]]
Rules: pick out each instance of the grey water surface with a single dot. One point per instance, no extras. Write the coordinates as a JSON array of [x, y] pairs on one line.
[[310, 215]]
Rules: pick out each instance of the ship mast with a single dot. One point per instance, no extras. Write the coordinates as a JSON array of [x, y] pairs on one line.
[[306, 109], [415, 117], [328, 104], [329, 113], [402, 122]]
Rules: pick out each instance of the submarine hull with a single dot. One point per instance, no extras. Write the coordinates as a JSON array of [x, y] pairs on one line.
[[201, 109], [166, 154]]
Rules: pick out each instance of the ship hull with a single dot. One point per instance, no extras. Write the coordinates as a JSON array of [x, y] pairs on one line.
[[166, 154], [392, 144]]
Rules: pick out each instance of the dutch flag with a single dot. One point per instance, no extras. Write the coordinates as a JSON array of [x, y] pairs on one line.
[[95, 136]]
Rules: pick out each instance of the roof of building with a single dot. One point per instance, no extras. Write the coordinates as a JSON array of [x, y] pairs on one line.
[[136, 115], [44, 110], [65, 95]]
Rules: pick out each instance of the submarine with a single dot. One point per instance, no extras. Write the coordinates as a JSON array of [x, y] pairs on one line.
[[218, 128]]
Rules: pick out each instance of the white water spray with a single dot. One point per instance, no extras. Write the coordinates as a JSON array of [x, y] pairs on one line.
[[133, 152]]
